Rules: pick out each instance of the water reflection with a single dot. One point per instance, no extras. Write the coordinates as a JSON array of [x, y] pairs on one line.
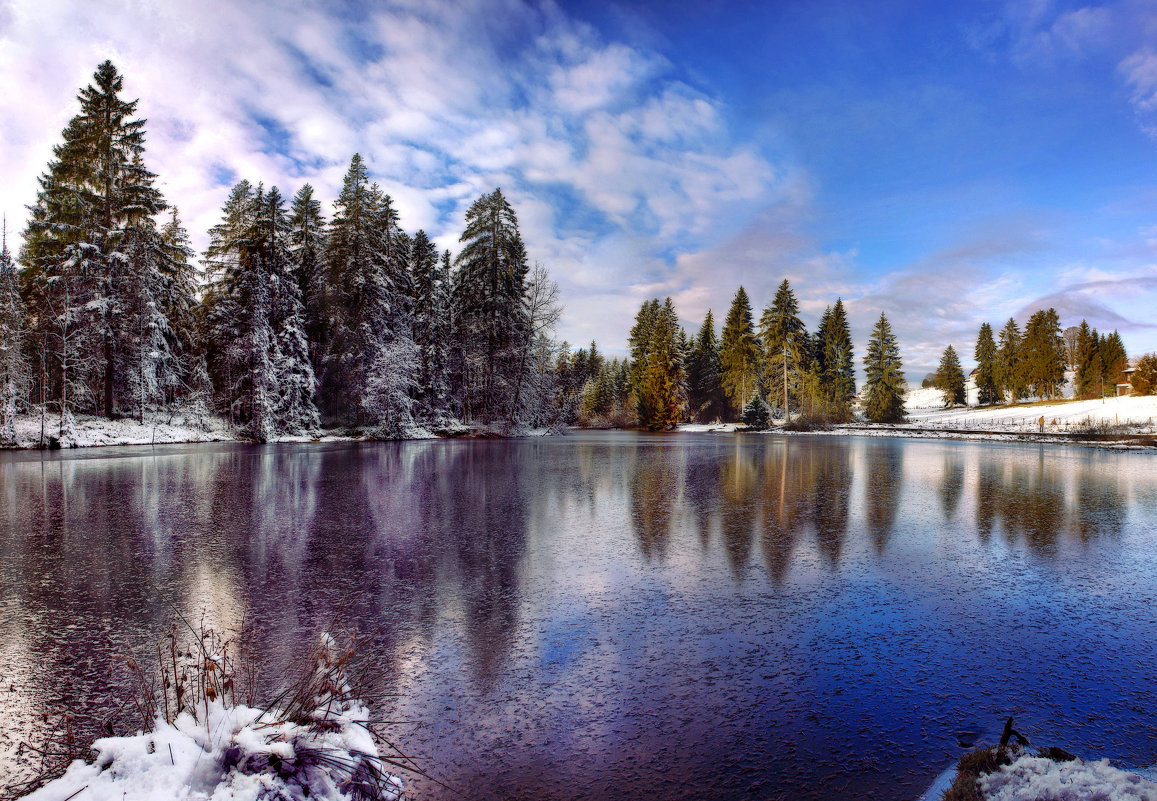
[[677, 609]]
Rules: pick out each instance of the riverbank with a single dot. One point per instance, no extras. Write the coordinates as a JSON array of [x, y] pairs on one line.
[[1112, 422], [88, 431]]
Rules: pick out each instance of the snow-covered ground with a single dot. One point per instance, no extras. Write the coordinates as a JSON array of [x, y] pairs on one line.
[[925, 409], [1032, 778], [87, 431], [324, 750]]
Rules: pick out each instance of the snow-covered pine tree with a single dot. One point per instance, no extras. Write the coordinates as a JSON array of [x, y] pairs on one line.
[[739, 354], [95, 193], [885, 387], [14, 371], [950, 378], [659, 375], [258, 353], [177, 296], [431, 327], [366, 324], [307, 244], [490, 312], [295, 385]]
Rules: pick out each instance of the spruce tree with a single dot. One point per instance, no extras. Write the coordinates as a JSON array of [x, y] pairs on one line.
[[1010, 370], [431, 327], [739, 354], [950, 378], [307, 244], [92, 255], [489, 311], [1044, 354], [884, 387], [1144, 379], [705, 374], [1088, 375], [14, 371], [1114, 360], [836, 366], [987, 390], [658, 373], [785, 347]]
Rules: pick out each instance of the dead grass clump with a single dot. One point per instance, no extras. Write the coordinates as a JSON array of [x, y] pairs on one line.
[[971, 767]]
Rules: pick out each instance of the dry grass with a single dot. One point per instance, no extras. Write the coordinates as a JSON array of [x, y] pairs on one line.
[[971, 767]]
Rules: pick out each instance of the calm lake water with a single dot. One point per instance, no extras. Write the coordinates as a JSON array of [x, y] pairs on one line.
[[612, 615]]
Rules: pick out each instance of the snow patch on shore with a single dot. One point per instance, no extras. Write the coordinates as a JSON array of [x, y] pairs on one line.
[[1128, 414], [1032, 778], [228, 757]]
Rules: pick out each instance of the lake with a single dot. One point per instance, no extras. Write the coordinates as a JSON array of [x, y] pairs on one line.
[[617, 614]]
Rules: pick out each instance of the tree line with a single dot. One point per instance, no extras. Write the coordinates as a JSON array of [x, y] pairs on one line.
[[296, 322], [749, 372], [1016, 365]]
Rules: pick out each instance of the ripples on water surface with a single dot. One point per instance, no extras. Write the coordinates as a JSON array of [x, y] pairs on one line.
[[617, 614]]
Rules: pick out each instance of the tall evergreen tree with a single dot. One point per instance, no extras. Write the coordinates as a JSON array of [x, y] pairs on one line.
[[92, 255], [1010, 371], [739, 354], [785, 347], [1089, 370], [14, 371], [431, 326], [987, 389], [490, 311], [950, 378], [658, 374], [1044, 354], [705, 374], [366, 328], [1114, 359], [835, 361], [307, 244], [884, 387], [255, 319]]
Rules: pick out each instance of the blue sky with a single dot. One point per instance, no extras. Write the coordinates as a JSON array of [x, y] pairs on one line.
[[947, 164]]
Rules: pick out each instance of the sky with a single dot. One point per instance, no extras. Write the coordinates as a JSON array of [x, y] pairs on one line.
[[946, 164]]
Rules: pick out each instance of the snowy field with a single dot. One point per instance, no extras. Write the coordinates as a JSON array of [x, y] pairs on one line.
[[925, 409]]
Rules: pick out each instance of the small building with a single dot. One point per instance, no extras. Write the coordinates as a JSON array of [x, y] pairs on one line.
[[1126, 387]]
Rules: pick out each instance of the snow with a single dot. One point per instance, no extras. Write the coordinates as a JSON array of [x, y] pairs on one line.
[[87, 431], [1032, 778], [706, 427], [1136, 414], [239, 753]]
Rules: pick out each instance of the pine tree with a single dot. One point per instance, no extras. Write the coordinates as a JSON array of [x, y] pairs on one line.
[[950, 378], [987, 389], [658, 375], [705, 374], [739, 354], [366, 322], [431, 327], [785, 347], [489, 311], [1089, 369], [259, 355], [91, 243], [1114, 360], [1010, 370], [1144, 379], [1044, 354], [14, 372], [834, 358], [307, 244], [884, 387]]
